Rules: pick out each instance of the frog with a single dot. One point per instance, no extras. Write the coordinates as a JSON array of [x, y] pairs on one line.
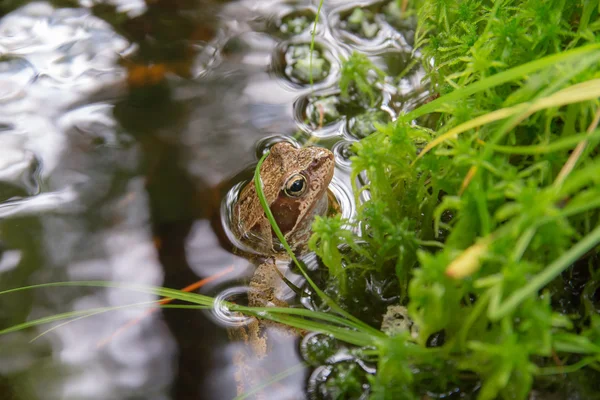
[[295, 184]]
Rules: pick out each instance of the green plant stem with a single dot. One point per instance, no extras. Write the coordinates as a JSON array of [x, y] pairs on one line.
[[322, 295], [556, 145], [501, 78], [73, 315], [565, 369], [312, 43], [347, 330], [546, 276]]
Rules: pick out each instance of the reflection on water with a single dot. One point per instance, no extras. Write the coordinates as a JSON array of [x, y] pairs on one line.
[[122, 124]]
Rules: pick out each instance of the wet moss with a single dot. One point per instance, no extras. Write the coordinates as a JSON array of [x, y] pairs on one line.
[[484, 226], [296, 22], [300, 67]]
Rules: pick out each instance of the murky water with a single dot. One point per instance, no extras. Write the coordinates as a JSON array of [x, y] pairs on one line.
[[110, 170]]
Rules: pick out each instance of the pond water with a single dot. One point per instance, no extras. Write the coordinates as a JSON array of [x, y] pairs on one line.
[[125, 127]]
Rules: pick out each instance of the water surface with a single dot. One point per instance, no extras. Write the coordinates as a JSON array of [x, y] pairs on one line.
[[123, 127]]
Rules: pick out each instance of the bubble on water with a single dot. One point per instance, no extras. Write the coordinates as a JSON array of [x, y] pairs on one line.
[[343, 196], [291, 62], [319, 113], [297, 21], [223, 314], [365, 27], [263, 145], [343, 151]]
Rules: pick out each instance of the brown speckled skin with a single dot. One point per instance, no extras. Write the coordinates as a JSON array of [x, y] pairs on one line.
[[294, 215]]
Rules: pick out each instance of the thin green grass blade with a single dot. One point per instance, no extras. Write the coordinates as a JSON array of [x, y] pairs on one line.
[[567, 369], [318, 315], [155, 305], [503, 77], [588, 90], [69, 315], [269, 214], [556, 145], [159, 291], [311, 320], [356, 338], [546, 276], [312, 43]]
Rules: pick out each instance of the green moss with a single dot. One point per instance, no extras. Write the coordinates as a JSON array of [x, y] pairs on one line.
[[302, 68], [480, 230], [322, 111], [345, 381], [296, 22], [361, 22], [358, 80], [364, 124]]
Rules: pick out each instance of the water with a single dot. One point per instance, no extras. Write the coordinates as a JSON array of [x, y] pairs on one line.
[[113, 171]]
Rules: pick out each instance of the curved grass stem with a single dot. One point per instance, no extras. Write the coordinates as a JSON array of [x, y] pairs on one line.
[[546, 276], [320, 293]]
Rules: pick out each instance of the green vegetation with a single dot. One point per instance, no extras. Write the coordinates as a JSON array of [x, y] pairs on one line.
[[296, 22], [305, 64], [361, 22], [484, 217], [359, 80], [481, 214]]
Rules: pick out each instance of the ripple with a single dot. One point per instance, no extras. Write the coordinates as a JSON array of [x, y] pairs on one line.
[[361, 26], [363, 125], [223, 315], [296, 58], [95, 123], [290, 61], [343, 152], [68, 47], [319, 113], [227, 206], [263, 145], [371, 27], [19, 173], [317, 382], [51, 201], [317, 348], [15, 74], [343, 196], [295, 22]]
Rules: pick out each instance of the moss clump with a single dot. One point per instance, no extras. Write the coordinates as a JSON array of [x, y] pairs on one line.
[[481, 216], [362, 22], [322, 111], [296, 22], [359, 79], [299, 66], [364, 124]]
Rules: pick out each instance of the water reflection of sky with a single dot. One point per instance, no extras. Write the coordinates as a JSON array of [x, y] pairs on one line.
[[53, 175], [95, 185], [75, 205]]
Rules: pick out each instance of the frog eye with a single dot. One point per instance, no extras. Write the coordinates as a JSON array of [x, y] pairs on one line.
[[295, 186]]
